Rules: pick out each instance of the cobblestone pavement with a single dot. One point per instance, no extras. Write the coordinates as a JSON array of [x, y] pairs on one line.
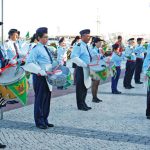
[[118, 123]]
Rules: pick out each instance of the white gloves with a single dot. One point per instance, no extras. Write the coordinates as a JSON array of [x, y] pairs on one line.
[[48, 67], [79, 62], [34, 68], [42, 73]]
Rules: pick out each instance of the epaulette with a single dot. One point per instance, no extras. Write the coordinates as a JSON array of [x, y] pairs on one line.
[[78, 44], [6, 40]]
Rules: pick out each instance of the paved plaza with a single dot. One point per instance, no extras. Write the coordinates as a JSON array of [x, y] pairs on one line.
[[118, 123]]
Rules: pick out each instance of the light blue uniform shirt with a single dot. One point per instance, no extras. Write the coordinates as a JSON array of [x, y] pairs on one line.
[[130, 52], [140, 50], [80, 50], [94, 51], [39, 55], [146, 63], [116, 59], [61, 55], [148, 49], [5, 56]]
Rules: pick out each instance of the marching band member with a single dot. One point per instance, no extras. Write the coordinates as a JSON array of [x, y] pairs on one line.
[[3, 57], [39, 61], [139, 50], [95, 51], [14, 53], [62, 52], [2, 64], [117, 57], [146, 69], [33, 41], [119, 42], [82, 57], [75, 42], [130, 64]]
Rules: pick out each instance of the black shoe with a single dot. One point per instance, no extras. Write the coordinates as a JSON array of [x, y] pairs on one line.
[[60, 87], [131, 86], [2, 146], [83, 108], [96, 100], [128, 87], [139, 82], [89, 107], [50, 125], [148, 117], [116, 92], [12, 102], [86, 106], [41, 126]]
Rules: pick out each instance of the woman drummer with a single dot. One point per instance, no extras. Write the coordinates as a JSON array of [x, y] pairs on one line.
[[62, 54], [33, 41], [96, 44], [74, 43], [116, 59]]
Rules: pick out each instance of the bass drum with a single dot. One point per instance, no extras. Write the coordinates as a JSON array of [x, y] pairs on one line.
[[6, 93]]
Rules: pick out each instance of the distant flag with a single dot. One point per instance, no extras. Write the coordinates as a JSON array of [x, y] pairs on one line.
[[27, 35]]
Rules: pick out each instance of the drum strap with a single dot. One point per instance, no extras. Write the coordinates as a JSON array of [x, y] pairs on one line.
[[16, 49], [48, 54]]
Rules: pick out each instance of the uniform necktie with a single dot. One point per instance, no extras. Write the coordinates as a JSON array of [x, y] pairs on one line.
[[89, 53], [16, 49], [48, 54]]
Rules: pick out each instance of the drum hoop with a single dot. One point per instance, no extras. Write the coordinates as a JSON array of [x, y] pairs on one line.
[[22, 76]]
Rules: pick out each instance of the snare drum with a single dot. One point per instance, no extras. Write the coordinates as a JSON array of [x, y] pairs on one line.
[[59, 77], [97, 67]]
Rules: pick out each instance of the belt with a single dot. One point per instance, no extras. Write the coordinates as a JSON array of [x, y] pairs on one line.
[[118, 67], [131, 60], [139, 58]]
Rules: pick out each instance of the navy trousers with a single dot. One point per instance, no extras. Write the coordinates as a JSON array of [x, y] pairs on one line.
[[130, 67], [42, 100], [115, 79], [81, 90], [138, 69]]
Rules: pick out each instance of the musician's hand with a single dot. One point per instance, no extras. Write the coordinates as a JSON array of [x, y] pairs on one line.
[[42, 73], [84, 65], [21, 62]]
